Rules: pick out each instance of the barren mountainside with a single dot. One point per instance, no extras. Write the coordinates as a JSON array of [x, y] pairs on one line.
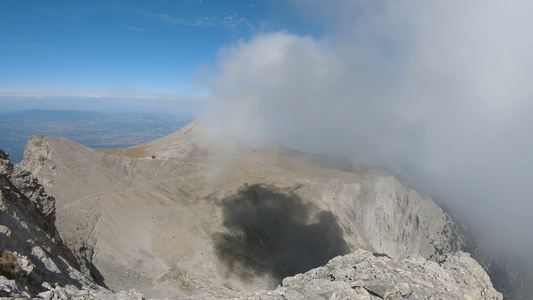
[[34, 262], [185, 216]]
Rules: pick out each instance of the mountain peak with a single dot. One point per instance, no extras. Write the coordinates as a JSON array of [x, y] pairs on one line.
[[207, 219]]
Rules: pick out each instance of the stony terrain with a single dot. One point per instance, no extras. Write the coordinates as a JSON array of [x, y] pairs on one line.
[[362, 275], [34, 263], [33, 260], [187, 216]]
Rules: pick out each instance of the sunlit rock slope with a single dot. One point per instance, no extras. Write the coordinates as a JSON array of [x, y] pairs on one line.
[[33, 260], [185, 215]]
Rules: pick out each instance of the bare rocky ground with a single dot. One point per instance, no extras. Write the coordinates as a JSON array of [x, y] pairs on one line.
[[34, 262], [362, 275], [188, 217]]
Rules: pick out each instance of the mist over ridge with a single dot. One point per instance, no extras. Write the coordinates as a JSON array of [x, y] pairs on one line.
[[304, 161], [435, 90]]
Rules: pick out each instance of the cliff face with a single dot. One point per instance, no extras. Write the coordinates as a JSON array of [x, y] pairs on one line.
[[202, 218], [33, 260], [392, 218]]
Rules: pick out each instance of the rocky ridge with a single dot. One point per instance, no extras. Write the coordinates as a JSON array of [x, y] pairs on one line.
[[195, 223], [362, 275], [181, 219], [34, 263]]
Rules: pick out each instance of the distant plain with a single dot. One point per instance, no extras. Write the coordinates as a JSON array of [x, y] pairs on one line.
[[92, 129]]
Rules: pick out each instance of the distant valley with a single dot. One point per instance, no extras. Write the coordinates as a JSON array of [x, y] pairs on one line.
[[93, 129]]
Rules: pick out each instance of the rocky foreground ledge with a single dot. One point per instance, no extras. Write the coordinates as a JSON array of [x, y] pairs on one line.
[[362, 275], [34, 263]]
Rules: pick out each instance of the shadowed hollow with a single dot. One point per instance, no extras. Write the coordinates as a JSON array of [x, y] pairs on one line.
[[273, 232]]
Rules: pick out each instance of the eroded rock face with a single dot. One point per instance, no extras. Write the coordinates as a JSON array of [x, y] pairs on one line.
[[194, 223], [33, 260], [361, 275], [161, 224]]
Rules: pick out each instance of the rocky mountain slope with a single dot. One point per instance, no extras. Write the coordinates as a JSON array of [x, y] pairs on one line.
[[34, 262], [184, 215]]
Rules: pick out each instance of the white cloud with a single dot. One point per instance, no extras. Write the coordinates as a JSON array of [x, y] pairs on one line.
[[437, 89], [223, 20], [133, 28]]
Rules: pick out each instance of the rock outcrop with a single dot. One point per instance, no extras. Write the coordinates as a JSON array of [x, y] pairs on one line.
[[34, 262], [201, 218], [362, 275]]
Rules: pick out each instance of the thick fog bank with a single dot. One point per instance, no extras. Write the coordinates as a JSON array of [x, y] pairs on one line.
[[439, 91]]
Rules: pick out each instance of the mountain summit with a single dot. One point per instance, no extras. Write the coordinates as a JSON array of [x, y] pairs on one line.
[[188, 216]]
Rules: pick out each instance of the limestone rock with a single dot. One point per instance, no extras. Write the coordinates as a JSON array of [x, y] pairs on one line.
[[360, 275], [33, 260], [380, 288], [201, 222], [189, 209]]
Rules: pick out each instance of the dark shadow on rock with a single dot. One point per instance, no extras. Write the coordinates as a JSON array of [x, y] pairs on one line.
[[86, 253], [273, 232]]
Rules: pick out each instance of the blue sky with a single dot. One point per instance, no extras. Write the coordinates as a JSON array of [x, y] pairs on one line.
[[163, 50]]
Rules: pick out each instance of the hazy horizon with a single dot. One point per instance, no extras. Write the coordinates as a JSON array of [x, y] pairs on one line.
[[117, 105]]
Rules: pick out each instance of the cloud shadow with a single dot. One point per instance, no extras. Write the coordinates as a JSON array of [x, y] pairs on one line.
[[273, 232]]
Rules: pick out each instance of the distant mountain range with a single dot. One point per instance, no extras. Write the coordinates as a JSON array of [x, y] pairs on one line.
[[90, 128]]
